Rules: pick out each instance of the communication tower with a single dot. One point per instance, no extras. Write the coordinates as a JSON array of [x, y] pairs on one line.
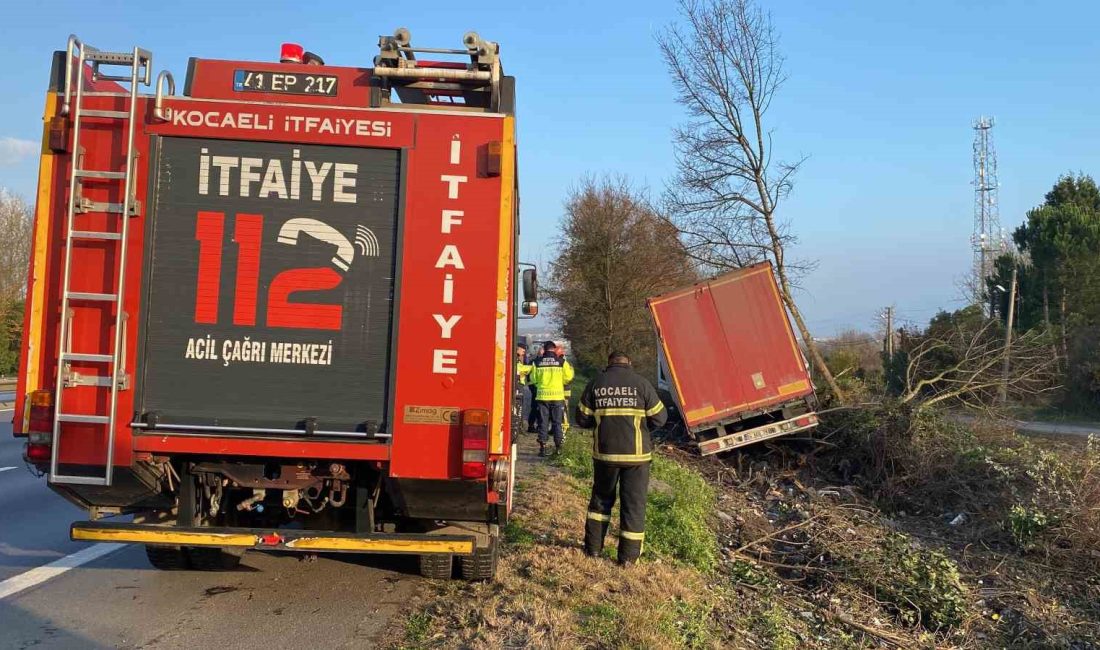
[[988, 239]]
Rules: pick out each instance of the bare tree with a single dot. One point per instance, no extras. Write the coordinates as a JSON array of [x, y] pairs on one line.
[[15, 239], [727, 68], [616, 252], [964, 365], [15, 244]]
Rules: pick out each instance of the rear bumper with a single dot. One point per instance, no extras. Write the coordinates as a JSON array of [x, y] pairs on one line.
[[267, 539], [749, 436]]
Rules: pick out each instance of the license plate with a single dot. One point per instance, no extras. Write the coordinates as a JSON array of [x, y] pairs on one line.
[[290, 83]]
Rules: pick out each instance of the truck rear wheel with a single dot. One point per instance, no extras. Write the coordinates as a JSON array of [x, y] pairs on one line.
[[436, 566], [212, 558], [482, 565], [166, 558]]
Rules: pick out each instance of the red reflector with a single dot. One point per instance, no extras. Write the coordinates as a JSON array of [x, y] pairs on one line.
[[805, 421], [474, 470], [36, 453], [271, 539], [291, 53]]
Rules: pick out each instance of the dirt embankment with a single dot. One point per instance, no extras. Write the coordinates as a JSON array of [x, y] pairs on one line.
[[884, 531]]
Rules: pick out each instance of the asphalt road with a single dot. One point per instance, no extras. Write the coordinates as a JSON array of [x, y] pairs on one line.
[[34, 522], [116, 600]]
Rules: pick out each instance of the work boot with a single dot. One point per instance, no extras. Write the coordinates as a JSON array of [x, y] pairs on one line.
[[557, 450], [542, 450]]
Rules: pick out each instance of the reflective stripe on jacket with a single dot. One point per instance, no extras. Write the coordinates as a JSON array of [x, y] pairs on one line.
[[549, 377], [623, 407]]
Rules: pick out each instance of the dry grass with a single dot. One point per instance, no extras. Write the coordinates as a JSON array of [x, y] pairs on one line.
[[549, 595]]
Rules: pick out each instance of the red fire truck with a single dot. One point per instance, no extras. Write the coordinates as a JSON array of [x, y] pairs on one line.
[[277, 311]]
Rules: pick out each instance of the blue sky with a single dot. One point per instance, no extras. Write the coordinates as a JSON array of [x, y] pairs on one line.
[[880, 96]]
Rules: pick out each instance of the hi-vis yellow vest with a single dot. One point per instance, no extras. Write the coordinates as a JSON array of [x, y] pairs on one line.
[[549, 376]]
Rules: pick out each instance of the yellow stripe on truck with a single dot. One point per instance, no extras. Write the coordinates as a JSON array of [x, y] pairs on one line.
[[502, 363], [459, 547], [793, 387], [156, 535], [36, 298], [167, 536]]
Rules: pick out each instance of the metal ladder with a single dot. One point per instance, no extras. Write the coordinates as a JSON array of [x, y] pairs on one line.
[[139, 62]]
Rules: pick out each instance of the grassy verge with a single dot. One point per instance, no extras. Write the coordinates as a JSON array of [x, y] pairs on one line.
[[549, 595]]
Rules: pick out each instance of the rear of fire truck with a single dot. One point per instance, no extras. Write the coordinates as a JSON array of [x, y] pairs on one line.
[[275, 311]]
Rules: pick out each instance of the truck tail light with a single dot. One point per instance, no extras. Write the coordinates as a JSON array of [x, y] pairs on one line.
[[39, 427], [475, 443], [40, 411], [37, 450], [494, 153]]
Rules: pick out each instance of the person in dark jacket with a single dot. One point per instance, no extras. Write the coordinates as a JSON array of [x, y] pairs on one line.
[[623, 408]]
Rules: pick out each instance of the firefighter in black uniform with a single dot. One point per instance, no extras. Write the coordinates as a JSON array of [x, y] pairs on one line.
[[623, 407]]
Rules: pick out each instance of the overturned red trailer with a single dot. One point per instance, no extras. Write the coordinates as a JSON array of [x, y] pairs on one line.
[[728, 358]]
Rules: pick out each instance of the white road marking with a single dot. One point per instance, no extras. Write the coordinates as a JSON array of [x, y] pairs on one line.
[[34, 577], [4, 469]]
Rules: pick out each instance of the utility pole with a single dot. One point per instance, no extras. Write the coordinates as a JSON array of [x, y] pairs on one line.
[[1008, 335], [888, 343]]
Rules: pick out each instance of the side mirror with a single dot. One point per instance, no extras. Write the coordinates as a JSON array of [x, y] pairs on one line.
[[530, 287], [530, 308]]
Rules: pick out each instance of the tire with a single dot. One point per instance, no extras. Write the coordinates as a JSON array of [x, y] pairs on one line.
[[482, 565], [212, 558], [166, 558], [436, 566]]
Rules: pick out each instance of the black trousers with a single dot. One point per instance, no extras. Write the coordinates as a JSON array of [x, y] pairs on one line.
[[632, 482], [551, 415], [533, 414]]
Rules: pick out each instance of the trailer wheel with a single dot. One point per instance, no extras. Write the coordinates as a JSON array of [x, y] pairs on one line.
[[166, 558], [213, 558], [482, 565], [436, 566]]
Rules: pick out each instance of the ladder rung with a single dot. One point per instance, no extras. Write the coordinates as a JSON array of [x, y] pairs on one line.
[[86, 419], [90, 173], [77, 379], [103, 297], [98, 206], [78, 480], [84, 356], [91, 234], [113, 58], [115, 114]]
